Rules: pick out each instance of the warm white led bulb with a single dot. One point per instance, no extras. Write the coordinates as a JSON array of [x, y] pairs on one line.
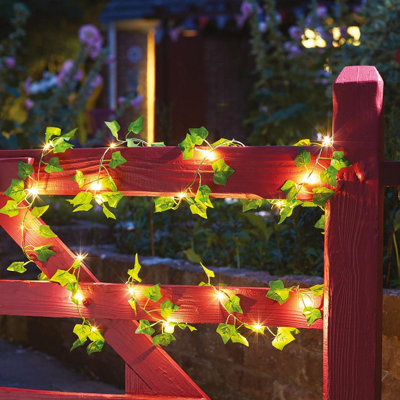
[[131, 290], [327, 141], [112, 145], [96, 185], [220, 295], [78, 296], [33, 191], [94, 329], [181, 195], [168, 327]]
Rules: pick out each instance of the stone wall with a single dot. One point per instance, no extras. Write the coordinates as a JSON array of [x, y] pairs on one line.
[[225, 372]]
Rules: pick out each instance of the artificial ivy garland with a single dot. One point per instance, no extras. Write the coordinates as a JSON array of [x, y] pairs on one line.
[[197, 196]]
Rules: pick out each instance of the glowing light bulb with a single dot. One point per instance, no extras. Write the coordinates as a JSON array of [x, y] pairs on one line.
[[94, 329], [33, 191], [112, 145], [168, 327], [131, 291], [327, 141], [48, 146], [280, 204], [22, 227], [208, 154], [258, 328], [220, 295], [99, 199], [181, 195], [310, 179], [79, 297], [81, 257], [96, 185]]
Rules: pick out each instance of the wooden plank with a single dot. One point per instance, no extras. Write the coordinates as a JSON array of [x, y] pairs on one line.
[[8, 393], [167, 378], [198, 304], [161, 171], [391, 173], [353, 243]]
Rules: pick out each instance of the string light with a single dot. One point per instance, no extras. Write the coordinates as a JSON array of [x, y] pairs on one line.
[[33, 191], [131, 291], [258, 328], [208, 154], [310, 179], [81, 257], [327, 141], [168, 327], [181, 195], [96, 185], [280, 204], [220, 295], [112, 145], [94, 329], [79, 297], [48, 146], [22, 227]]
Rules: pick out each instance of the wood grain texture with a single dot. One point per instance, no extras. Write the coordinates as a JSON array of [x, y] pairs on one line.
[[7, 393], [198, 304], [161, 171], [353, 243], [166, 377], [391, 173]]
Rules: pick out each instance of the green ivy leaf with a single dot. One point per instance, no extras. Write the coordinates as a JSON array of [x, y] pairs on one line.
[[131, 143], [198, 135], [290, 189], [82, 201], [114, 127], [329, 176], [95, 347], [46, 232], [63, 278], [158, 144], [10, 209], [287, 211], [320, 224], [238, 338], [107, 212], [79, 178], [303, 158], [233, 305], [82, 331], [163, 339], [226, 331], [17, 266], [116, 159], [60, 145], [311, 314], [284, 337], [167, 308], [144, 328], [163, 204], [251, 204], [39, 211], [303, 142], [317, 290], [69, 135], [24, 170], [77, 343], [339, 161], [51, 131], [42, 277], [278, 292], [53, 165], [113, 198], [222, 142], [134, 272], [16, 190], [322, 195], [108, 182], [136, 126], [199, 209], [153, 292], [222, 172], [187, 147], [132, 303], [209, 272], [184, 326], [44, 252], [203, 196], [192, 256]]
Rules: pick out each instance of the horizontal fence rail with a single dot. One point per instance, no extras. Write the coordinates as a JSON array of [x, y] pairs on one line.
[[198, 304]]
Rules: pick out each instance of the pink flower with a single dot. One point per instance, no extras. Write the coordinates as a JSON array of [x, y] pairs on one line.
[[136, 102], [10, 62], [65, 69], [321, 11], [29, 104], [91, 39], [120, 100], [97, 81], [246, 9], [27, 84]]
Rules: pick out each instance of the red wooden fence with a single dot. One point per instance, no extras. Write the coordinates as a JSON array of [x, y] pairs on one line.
[[353, 253]]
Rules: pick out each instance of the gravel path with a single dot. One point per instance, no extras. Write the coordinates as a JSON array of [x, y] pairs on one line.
[[30, 369]]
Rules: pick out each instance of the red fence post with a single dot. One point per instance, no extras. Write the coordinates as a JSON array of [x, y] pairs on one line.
[[353, 243]]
